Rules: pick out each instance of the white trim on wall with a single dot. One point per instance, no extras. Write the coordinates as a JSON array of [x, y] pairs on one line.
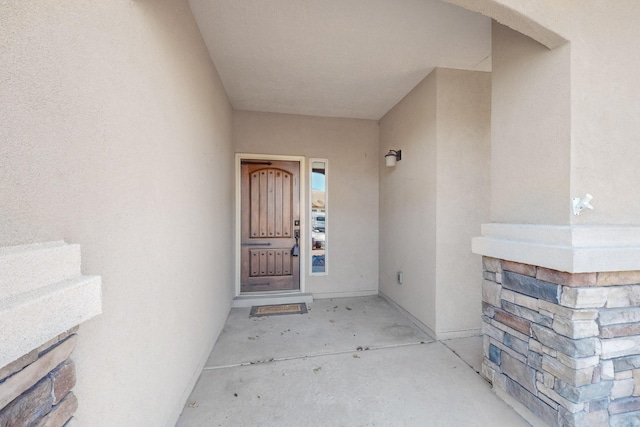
[[303, 216], [575, 249]]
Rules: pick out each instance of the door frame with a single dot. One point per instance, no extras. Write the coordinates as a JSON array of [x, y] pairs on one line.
[[303, 218]]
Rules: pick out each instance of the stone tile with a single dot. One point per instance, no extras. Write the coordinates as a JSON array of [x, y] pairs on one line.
[[63, 379], [583, 419], [606, 370], [535, 346], [495, 355], [516, 344], [508, 295], [526, 301], [534, 360], [29, 407], [629, 419], [18, 364], [565, 403], [622, 388], [535, 405], [569, 313], [526, 313], [576, 348], [509, 330], [491, 293], [597, 405], [491, 264], [506, 350], [626, 363], [584, 297], [487, 372], [492, 331], [579, 362], [614, 316], [623, 296], [489, 275], [636, 381], [15, 385], [575, 328], [623, 330], [61, 413], [516, 267], [548, 380], [624, 375], [610, 278], [548, 401], [624, 405], [618, 347], [574, 377], [531, 286], [566, 279], [519, 324], [488, 310], [584, 393], [519, 372]]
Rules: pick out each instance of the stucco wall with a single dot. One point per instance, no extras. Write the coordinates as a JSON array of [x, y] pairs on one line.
[[408, 202], [433, 202], [351, 147], [605, 110], [463, 189], [530, 131], [116, 134]]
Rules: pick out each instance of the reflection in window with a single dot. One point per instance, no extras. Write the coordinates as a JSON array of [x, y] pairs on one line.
[[318, 216]]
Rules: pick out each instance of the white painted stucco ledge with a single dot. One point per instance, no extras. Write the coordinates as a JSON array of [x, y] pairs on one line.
[[35, 311], [574, 249]]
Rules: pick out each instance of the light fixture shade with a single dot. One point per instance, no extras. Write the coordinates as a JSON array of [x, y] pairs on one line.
[[392, 157], [390, 160]]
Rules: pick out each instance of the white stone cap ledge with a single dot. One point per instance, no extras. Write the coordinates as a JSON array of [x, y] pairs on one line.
[[574, 249], [42, 294]]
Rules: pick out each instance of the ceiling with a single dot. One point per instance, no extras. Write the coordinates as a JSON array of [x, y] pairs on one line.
[[337, 58]]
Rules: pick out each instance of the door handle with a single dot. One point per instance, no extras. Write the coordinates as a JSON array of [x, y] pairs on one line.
[[256, 244]]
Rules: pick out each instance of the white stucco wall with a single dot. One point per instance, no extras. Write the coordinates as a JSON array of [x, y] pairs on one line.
[[351, 147], [433, 202], [116, 135]]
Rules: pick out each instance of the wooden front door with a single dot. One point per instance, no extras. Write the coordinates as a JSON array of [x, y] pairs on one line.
[[270, 206]]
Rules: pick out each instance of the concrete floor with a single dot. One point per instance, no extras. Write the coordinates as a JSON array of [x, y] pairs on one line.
[[348, 362]]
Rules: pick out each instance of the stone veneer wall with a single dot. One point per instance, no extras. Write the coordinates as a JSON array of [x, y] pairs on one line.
[[35, 390], [566, 346]]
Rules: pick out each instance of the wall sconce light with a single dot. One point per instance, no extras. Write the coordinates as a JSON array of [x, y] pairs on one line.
[[392, 156], [580, 203]]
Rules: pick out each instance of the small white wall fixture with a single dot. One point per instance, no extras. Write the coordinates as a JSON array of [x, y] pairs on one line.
[[579, 203]]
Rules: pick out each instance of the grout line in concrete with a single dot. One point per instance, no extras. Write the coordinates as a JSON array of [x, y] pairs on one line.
[[308, 356]]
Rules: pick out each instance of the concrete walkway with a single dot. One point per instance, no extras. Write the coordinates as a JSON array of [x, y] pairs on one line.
[[348, 362]]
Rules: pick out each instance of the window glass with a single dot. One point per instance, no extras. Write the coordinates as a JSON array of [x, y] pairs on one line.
[[318, 216]]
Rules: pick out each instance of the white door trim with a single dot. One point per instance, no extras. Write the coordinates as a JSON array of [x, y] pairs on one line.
[[303, 216]]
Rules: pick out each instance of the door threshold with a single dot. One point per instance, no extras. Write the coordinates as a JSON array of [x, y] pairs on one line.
[[271, 298]]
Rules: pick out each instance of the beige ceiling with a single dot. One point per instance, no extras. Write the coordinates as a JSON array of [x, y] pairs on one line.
[[338, 58]]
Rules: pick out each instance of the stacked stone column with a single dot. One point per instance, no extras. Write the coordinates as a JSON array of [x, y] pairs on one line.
[[566, 346], [35, 390]]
